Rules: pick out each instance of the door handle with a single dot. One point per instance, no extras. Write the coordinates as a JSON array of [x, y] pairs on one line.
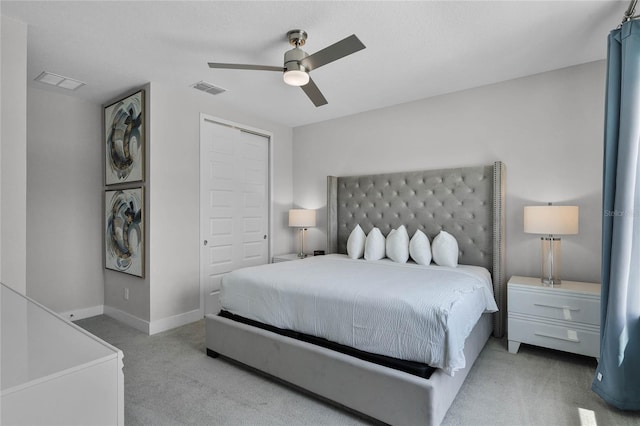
[[206, 242]]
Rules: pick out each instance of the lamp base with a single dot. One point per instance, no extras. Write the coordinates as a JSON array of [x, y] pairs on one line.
[[550, 261], [550, 283], [301, 253]]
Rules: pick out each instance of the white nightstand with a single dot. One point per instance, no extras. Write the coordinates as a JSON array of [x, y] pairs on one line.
[[564, 317], [285, 257]]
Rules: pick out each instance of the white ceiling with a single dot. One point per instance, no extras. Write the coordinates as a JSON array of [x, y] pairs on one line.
[[414, 49]]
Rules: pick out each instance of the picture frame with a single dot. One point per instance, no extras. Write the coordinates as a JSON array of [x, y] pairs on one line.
[[124, 139], [124, 237]]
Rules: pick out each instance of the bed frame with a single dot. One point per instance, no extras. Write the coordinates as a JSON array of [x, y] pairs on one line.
[[466, 202]]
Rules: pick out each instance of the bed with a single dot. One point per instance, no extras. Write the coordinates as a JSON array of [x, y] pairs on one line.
[[466, 202]]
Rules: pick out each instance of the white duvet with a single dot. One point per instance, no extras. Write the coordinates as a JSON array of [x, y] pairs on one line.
[[406, 311]]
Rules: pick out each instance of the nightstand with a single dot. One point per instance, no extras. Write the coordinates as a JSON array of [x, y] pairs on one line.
[[564, 317], [285, 257]]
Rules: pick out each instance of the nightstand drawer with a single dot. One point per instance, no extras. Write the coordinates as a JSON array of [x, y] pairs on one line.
[[555, 306], [564, 338]]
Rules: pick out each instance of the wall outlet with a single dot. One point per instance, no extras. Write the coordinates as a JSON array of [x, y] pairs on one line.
[[126, 293]]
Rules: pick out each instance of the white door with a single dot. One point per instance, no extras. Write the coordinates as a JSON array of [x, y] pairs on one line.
[[234, 204]]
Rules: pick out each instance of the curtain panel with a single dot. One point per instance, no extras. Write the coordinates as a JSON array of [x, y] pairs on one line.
[[617, 379]]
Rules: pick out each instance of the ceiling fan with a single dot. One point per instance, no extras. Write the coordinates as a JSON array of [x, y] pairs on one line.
[[298, 63]]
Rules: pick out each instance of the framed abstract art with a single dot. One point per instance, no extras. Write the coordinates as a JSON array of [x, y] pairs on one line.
[[124, 231], [124, 136]]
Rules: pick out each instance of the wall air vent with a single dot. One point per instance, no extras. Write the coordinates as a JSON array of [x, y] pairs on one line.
[[208, 87]]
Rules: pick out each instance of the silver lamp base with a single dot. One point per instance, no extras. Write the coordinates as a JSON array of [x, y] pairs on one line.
[[551, 261], [301, 254]]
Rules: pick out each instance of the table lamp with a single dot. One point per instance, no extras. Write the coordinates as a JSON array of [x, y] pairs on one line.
[[551, 221], [302, 219]]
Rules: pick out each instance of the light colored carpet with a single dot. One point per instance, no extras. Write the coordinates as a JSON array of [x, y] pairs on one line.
[[169, 380]]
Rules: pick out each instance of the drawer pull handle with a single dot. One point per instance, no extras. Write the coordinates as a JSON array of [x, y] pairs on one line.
[[556, 307], [568, 339]]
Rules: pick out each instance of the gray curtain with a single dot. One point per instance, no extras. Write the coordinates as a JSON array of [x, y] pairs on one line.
[[617, 378]]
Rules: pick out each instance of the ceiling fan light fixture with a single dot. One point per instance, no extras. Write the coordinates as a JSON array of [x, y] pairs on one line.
[[296, 77], [298, 63]]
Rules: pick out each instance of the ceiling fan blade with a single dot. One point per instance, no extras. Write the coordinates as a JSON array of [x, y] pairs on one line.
[[314, 93], [338, 50], [245, 67]]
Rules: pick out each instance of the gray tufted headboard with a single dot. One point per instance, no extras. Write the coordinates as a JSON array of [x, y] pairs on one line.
[[466, 202]]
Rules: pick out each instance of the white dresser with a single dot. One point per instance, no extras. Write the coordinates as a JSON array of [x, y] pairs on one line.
[[564, 317], [54, 372]]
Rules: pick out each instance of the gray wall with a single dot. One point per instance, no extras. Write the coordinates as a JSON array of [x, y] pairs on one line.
[[13, 154], [547, 128], [64, 202]]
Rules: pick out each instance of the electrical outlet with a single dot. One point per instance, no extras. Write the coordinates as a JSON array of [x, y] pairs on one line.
[[126, 293]]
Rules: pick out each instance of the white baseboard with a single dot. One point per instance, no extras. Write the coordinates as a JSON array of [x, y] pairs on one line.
[[127, 318], [157, 326], [168, 323], [78, 314]]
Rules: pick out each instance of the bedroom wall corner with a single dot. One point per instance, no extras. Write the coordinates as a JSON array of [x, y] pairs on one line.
[[546, 128], [13, 154]]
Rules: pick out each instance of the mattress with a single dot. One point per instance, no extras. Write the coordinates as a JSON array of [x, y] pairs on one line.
[[405, 311]]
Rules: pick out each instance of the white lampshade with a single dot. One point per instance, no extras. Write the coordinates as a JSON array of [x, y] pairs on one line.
[[302, 218], [551, 220], [295, 78]]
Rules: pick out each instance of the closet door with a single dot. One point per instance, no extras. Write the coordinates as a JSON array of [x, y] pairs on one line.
[[234, 204]]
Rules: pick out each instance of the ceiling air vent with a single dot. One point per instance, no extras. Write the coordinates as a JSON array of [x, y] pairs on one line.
[[59, 80], [208, 87]]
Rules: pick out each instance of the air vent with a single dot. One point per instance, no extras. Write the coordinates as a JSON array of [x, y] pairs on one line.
[[208, 87], [59, 80]]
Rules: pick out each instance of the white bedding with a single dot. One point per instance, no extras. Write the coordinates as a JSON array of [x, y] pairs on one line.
[[406, 311]]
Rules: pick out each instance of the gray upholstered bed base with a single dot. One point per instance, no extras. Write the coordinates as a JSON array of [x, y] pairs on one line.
[[467, 202], [385, 394]]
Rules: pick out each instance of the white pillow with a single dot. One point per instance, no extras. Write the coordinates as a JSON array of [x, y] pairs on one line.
[[398, 245], [374, 245], [419, 248], [355, 243], [445, 249]]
